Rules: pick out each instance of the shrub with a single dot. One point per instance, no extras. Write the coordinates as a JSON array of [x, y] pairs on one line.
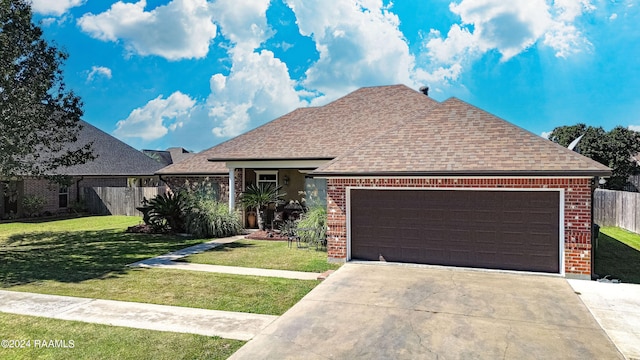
[[192, 209], [209, 218], [312, 227], [32, 205], [167, 212]]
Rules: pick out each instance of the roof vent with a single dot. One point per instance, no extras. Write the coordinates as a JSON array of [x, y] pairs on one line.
[[424, 90]]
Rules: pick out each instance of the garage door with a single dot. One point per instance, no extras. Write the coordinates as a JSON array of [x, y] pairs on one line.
[[511, 230]]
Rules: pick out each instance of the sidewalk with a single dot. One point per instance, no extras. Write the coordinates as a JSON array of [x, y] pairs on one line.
[[226, 324], [616, 307], [167, 261]]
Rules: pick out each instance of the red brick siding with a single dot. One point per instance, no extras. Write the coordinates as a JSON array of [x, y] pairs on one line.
[[222, 181], [577, 210]]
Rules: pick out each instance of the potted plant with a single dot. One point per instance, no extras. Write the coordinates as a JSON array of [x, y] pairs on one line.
[[258, 197], [251, 218]]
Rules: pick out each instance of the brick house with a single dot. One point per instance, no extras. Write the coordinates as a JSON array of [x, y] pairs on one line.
[[116, 165], [408, 179]]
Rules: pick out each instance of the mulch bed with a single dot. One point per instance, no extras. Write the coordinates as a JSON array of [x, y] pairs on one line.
[[266, 235]]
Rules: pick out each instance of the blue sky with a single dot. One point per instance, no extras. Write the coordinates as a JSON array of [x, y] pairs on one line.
[[193, 73]]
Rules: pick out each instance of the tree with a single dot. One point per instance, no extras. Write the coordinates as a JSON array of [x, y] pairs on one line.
[[614, 149], [39, 117]]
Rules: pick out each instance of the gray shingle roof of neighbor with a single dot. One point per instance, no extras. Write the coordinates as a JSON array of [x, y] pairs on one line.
[[196, 165], [397, 131], [114, 157]]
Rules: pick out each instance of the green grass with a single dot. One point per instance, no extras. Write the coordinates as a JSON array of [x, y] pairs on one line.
[[93, 341], [76, 249], [618, 255], [253, 294], [266, 255]]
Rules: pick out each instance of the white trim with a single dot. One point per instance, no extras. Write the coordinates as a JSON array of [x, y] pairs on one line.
[[266, 172], [232, 189], [277, 164], [560, 192]]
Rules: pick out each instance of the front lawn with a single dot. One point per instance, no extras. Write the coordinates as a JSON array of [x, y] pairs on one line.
[[618, 255], [266, 255], [94, 341], [253, 294], [77, 249]]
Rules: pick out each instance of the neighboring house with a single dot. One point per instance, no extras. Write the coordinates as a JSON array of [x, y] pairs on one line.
[[116, 165], [410, 179], [170, 156]]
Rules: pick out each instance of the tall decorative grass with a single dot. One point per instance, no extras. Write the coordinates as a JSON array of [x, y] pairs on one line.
[[312, 227], [211, 219]]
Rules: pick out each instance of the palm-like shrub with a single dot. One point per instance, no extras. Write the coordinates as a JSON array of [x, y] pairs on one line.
[[258, 197], [167, 212]]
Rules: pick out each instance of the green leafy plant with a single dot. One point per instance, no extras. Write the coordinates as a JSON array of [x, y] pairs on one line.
[[32, 205], [167, 212], [312, 227], [258, 197], [209, 218]]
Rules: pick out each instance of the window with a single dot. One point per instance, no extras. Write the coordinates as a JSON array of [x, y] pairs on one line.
[[267, 177], [63, 197]]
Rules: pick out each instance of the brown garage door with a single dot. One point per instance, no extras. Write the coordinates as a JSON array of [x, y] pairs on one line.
[[512, 230]]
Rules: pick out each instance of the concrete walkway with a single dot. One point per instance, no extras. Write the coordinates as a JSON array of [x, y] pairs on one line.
[[616, 307], [226, 324], [168, 261]]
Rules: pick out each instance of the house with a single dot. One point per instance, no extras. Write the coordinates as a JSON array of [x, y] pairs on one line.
[[116, 165], [410, 179], [172, 155]]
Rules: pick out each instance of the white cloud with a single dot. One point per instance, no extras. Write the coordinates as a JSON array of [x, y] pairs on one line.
[[359, 43], [54, 7], [257, 90], [509, 27], [181, 29], [244, 22], [634, 127], [156, 118], [98, 71], [613, 16], [546, 134]]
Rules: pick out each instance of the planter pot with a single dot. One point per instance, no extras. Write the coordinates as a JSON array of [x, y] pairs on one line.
[[251, 219]]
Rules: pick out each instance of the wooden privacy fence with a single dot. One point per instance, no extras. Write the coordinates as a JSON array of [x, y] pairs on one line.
[[118, 200], [617, 208]]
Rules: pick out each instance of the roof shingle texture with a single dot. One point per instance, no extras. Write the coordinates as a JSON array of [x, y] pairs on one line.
[[394, 130], [114, 158], [316, 132], [455, 137]]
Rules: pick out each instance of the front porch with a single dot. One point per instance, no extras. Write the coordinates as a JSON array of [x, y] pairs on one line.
[[301, 191]]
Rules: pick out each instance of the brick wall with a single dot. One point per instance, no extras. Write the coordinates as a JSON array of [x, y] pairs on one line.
[[222, 181], [577, 211], [50, 192]]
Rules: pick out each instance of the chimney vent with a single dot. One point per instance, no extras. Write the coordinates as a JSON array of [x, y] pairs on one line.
[[424, 90]]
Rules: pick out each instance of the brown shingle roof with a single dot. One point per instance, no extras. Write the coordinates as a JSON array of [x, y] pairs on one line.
[[458, 138], [316, 132], [397, 131], [328, 131]]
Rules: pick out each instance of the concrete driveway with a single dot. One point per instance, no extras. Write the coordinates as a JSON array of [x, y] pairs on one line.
[[374, 311]]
